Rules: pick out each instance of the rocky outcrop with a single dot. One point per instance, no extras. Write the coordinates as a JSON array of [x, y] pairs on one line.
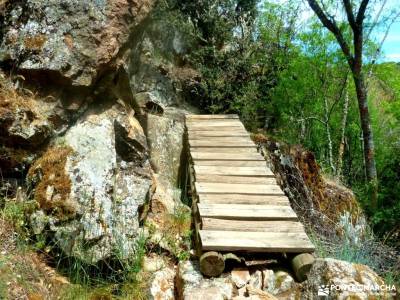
[[335, 279], [90, 189], [156, 66], [162, 285], [72, 41], [166, 140], [102, 131], [192, 285], [27, 121]]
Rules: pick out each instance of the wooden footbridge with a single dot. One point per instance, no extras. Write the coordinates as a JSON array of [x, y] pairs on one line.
[[237, 204]]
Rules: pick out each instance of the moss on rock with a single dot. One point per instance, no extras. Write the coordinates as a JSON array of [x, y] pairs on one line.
[[53, 185]]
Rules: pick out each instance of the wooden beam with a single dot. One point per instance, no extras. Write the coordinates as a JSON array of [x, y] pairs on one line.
[[235, 171], [234, 179], [227, 133], [219, 123], [255, 241], [200, 117], [256, 226], [237, 188], [203, 121], [231, 128], [243, 199], [246, 212], [226, 150], [231, 163], [228, 139], [221, 144], [221, 156]]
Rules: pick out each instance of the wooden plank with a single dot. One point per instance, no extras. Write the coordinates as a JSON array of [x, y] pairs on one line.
[[221, 144], [200, 117], [255, 241], [227, 122], [234, 179], [197, 156], [231, 163], [234, 171], [239, 128], [247, 212], [243, 199], [221, 139], [226, 150], [206, 133], [224, 123], [256, 226], [213, 118], [237, 188]]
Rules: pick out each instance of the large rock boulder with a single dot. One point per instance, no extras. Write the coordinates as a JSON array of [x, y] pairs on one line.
[[155, 63], [73, 41], [192, 285], [162, 284], [91, 189], [335, 279], [27, 121], [166, 142]]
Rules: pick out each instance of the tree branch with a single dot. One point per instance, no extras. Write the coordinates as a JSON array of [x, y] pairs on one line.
[[332, 27], [361, 12], [350, 15]]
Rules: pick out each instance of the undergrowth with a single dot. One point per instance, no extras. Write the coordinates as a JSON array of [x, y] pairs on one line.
[[175, 234], [117, 278], [13, 97], [356, 243]]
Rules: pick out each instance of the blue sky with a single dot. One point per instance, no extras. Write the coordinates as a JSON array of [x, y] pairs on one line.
[[391, 46]]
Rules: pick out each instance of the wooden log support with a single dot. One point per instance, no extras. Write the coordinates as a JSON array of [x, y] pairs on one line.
[[301, 265], [212, 264]]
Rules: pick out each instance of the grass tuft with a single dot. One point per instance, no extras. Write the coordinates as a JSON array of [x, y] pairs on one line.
[[118, 277]]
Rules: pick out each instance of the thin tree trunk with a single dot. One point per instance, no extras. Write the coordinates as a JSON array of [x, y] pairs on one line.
[[368, 139], [339, 166], [354, 59], [328, 135]]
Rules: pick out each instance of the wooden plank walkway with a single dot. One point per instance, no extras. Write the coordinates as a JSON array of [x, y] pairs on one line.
[[237, 203]]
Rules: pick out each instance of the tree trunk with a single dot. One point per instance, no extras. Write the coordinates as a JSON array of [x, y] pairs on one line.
[[329, 137], [355, 62], [368, 140], [339, 166]]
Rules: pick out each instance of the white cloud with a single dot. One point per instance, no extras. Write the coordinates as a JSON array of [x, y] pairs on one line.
[[392, 57]]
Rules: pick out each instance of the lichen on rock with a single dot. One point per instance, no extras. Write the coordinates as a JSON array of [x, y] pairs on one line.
[[105, 191], [193, 286], [345, 280], [72, 39]]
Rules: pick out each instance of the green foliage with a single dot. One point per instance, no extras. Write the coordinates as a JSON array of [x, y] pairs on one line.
[[118, 269], [175, 233], [256, 60], [237, 56], [120, 274], [16, 214], [385, 96], [354, 242]]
